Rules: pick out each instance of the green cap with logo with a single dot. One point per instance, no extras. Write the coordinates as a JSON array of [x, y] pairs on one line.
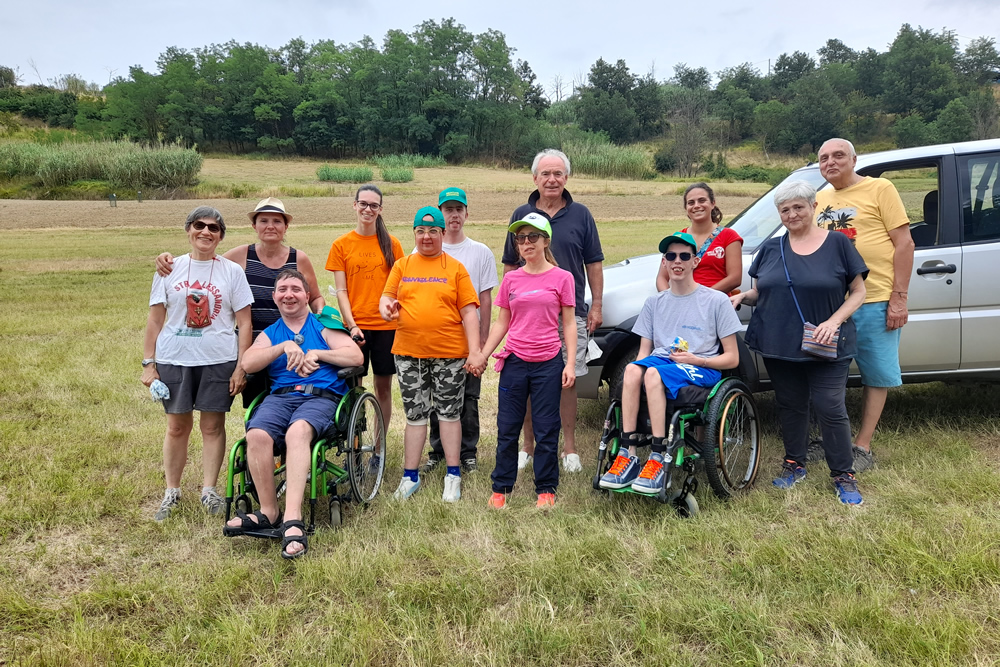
[[536, 220], [452, 194], [678, 237], [438, 219]]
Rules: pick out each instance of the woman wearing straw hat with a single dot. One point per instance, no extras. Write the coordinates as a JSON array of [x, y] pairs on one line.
[[532, 301], [262, 262]]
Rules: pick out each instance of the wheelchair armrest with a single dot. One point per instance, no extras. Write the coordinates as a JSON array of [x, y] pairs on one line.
[[350, 372]]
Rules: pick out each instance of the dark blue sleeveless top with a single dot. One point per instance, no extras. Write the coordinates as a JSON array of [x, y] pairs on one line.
[[325, 377], [264, 312]]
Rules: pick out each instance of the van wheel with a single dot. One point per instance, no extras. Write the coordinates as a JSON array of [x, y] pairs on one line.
[[617, 376]]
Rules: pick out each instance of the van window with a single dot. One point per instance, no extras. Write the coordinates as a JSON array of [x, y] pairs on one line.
[[980, 182], [918, 188]]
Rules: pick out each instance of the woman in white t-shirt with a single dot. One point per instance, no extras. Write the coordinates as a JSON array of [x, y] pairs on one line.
[[192, 347]]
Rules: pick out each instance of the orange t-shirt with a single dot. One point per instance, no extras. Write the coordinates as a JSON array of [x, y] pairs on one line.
[[360, 257], [431, 291]]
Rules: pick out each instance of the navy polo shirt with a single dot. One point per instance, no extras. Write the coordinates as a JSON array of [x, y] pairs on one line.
[[575, 242]]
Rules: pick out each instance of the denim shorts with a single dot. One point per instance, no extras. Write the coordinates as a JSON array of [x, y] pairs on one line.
[[277, 412], [878, 348]]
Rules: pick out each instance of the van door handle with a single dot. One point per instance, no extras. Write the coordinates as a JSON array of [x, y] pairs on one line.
[[940, 268]]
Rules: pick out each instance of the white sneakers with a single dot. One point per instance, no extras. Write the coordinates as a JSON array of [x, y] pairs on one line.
[[452, 489]]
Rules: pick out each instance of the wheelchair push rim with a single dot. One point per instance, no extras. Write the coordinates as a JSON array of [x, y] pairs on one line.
[[732, 440], [366, 443]]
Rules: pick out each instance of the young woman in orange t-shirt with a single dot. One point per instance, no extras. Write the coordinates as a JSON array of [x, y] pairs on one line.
[[360, 261]]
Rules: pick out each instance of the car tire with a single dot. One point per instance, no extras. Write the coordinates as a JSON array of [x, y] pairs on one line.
[[617, 376]]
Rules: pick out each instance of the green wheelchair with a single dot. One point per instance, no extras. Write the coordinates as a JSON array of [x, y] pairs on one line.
[[728, 449], [347, 462]]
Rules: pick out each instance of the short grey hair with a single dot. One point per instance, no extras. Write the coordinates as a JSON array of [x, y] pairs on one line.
[[205, 212], [791, 190], [550, 152], [854, 153]]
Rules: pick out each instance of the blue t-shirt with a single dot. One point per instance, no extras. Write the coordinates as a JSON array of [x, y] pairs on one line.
[[820, 280], [325, 376]]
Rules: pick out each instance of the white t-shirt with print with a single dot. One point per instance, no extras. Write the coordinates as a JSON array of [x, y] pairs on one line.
[[225, 285]]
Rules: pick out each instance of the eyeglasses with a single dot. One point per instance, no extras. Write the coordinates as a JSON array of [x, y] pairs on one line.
[[671, 256], [532, 237], [428, 231], [368, 204], [212, 227]]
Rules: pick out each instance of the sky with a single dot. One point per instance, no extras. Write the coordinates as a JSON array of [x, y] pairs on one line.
[[98, 40]]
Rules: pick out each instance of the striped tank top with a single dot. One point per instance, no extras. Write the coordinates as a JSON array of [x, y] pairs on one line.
[[264, 312]]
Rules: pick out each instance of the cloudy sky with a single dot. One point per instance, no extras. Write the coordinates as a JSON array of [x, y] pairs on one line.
[[97, 40]]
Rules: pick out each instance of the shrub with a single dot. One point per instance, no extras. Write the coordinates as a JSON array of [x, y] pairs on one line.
[[607, 160], [756, 174], [384, 162], [120, 164], [344, 174], [397, 174], [665, 159]]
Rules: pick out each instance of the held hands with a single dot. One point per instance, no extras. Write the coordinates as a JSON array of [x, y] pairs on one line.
[[164, 264], [476, 363], [389, 309], [569, 374], [237, 381]]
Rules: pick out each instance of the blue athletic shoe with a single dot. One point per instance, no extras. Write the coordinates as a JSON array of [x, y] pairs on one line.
[[791, 474], [623, 471], [847, 489], [652, 477]]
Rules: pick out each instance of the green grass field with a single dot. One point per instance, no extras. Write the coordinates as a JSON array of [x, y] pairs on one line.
[[772, 578]]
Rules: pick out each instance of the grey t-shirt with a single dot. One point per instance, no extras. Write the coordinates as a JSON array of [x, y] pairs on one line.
[[702, 318]]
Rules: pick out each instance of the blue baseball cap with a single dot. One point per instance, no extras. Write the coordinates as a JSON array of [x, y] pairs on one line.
[[438, 219], [452, 194]]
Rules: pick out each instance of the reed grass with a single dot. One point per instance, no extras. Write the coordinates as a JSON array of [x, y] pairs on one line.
[[344, 174]]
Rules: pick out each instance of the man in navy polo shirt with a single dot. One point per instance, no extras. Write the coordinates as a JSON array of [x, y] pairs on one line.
[[577, 248], [302, 358]]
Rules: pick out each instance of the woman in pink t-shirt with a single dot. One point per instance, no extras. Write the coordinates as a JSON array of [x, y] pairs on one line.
[[532, 301], [720, 249]]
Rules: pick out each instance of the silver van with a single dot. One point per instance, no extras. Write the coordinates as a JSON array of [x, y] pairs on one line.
[[952, 196]]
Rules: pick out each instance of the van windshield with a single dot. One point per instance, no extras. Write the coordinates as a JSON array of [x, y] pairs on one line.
[[760, 220]]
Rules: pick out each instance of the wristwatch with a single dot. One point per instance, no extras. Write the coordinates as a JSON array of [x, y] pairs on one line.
[[147, 362]]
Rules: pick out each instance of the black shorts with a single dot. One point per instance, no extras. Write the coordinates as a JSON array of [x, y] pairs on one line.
[[378, 351], [201, 388]]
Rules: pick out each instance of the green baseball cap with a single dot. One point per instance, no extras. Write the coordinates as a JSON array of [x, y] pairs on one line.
[[452, 194], [438, 219], [678, 237], [536, 220], [331, 319]]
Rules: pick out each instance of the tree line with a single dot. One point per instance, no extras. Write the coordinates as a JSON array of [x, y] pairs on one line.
[[441, 90]]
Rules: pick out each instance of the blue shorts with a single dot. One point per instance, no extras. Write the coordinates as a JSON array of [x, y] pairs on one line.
[[277, 412], [878, 348], [676, 376]]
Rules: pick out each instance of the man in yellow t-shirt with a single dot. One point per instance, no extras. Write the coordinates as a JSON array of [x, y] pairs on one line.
[[431, 297], [870, 212]]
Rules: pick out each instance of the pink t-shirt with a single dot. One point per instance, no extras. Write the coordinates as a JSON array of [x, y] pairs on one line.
[[535, 301]]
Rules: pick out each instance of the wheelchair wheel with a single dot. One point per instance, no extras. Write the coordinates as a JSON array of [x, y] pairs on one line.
[[366, 444], [686, 505], [610, 441], [731, 449], [335, 513], [243, 504]]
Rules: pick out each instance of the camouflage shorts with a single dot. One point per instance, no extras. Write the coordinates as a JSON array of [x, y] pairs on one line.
[[431, 385]]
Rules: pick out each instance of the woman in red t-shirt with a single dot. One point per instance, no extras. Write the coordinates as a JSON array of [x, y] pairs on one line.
[[720, 248]]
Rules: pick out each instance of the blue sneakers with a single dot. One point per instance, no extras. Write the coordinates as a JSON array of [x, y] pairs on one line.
[[623, 472], [847, 489], [652, 477], [791, 474]]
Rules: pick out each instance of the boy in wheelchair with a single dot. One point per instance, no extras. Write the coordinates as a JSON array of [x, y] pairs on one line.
[[680, 328], [302, 358]]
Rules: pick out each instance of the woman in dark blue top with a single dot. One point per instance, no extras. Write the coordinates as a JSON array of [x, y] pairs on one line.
[[822, 267]]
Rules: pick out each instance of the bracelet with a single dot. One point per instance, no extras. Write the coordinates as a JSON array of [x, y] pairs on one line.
[[341, 289]]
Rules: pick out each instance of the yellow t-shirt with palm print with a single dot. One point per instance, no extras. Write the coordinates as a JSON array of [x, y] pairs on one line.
[[866, 212]]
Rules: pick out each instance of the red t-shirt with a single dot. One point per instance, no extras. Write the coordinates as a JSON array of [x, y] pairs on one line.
[[712, 268]]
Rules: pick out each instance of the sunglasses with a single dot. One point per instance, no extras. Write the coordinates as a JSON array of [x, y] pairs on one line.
[[671, 256], [212, 227], [364, 204], [532, 237]]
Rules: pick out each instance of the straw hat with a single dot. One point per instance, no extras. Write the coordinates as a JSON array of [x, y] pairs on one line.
[[269, 205]]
